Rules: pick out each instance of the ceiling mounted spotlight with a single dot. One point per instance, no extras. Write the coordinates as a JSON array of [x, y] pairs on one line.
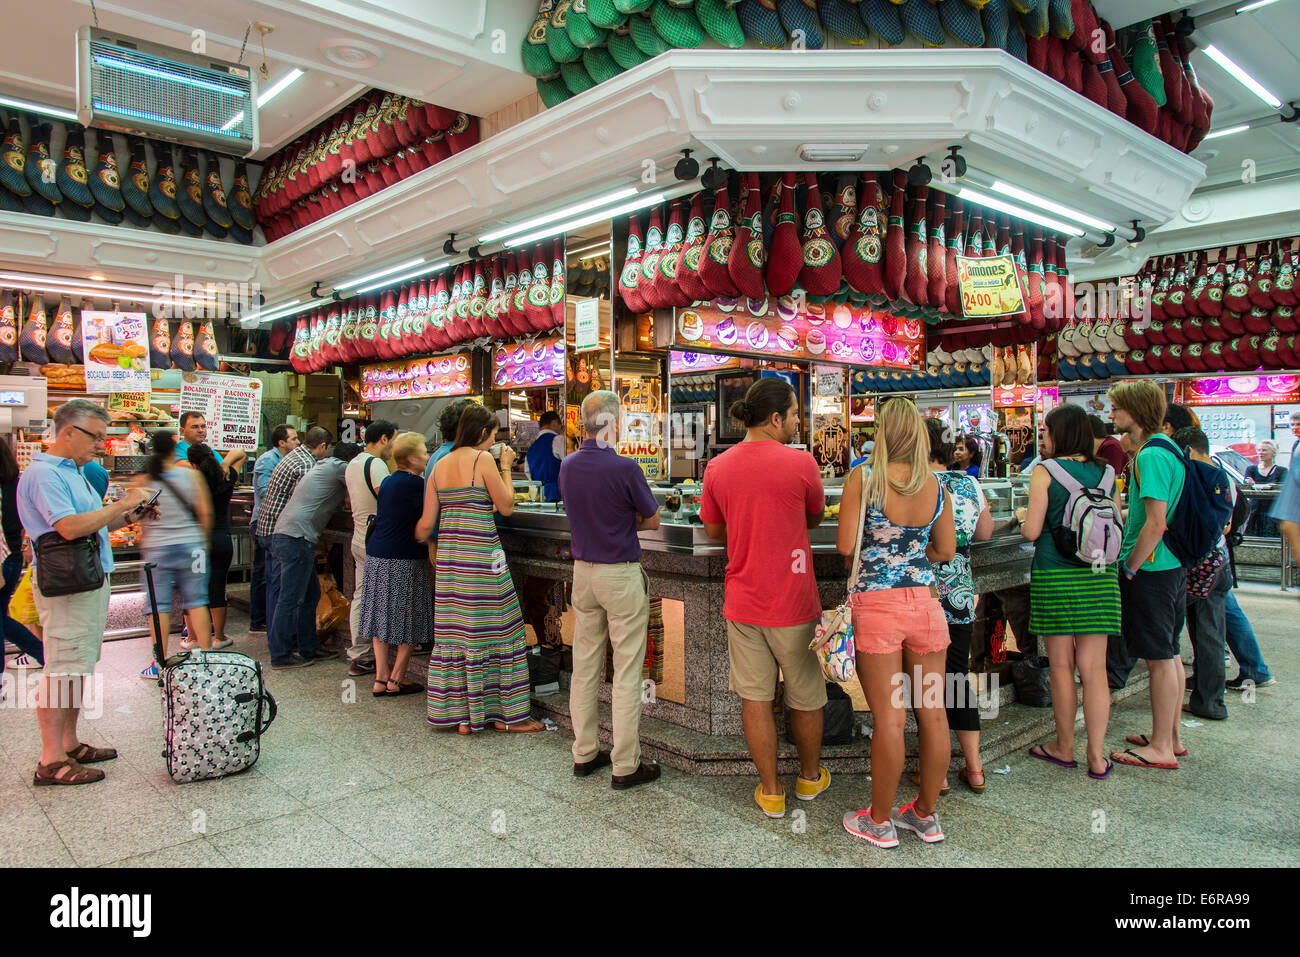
[[1140, 233], [919, 174], [449, 247], [955, 164], [715, 177], [686, 168]]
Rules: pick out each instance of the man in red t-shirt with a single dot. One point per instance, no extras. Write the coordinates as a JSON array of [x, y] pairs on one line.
[[762, 497]]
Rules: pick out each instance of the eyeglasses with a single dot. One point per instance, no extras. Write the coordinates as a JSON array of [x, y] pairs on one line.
[[94, 436]]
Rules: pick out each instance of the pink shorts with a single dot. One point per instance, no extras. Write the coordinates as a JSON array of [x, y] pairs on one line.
[[893, 618]]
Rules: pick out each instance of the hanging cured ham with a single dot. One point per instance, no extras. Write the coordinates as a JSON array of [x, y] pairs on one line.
[[935, 264], [746, 258], [182, 346], [661, 291], [59, 342], [627, 280], [895, 273], [1284, 289], [864, 249], [439, 334], [1236, 296], [1261, 284], [32, 339], [954, 248], [559, 285], [821, 272], [714, 271], [689, 281], [654, 249], [538, 308], [205, 347], [785, 258], [915, 288]]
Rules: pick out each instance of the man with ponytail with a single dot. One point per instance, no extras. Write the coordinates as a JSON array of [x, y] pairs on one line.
[[762, 497]]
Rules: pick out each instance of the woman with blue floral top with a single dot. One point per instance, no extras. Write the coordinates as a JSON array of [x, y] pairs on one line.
[[974, 523]]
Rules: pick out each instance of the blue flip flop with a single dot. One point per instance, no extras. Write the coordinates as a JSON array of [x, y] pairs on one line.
[[1110, 766], [1042, 755]]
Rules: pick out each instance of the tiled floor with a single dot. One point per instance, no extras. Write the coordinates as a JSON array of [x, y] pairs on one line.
[[365, 781]]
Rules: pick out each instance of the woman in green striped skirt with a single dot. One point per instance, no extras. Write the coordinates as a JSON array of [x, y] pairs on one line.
[[1073, 606]]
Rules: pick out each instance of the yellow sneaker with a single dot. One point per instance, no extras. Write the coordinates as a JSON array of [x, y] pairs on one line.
[[773, 805], [807, 790]]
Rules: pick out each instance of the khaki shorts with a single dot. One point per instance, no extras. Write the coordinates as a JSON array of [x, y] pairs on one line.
[[72, 628], [756, 651]]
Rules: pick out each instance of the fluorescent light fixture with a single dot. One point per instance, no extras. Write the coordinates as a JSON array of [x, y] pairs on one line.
[[350, 283], [1255, 6], [40, 108], [1241, 76], [271, 313], [423, 270], [831, 152], [992, 202], [278, 87], [573, 210], [99, 288], [274, 90], [643, 200], [1228, 132], [1015, 192], [168, 75]]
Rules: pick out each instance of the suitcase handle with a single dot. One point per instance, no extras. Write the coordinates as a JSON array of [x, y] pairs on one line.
[[268, 699], [157, 625]]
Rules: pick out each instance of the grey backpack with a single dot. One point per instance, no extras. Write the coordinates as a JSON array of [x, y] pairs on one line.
[[1091, 529]]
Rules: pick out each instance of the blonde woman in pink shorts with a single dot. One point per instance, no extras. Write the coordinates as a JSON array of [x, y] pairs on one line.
[[899, 627]]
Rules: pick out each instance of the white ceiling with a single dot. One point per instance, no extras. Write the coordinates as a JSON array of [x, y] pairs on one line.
[[437, 50]]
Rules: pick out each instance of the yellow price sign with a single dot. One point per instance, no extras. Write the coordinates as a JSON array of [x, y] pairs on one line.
[[131, 403], [989, 287]]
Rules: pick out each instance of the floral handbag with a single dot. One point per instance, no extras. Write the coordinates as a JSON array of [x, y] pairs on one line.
[[833, 639]]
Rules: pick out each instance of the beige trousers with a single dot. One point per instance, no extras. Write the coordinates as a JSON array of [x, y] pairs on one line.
[[360, 647], [610, 602]]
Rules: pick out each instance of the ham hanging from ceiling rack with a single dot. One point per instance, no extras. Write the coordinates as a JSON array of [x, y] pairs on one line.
[[627, 282], [559, 284], [896, 236], [746, 260], [915, 283], [539, 293], [821, 272], [654, 249], [661, 291], [784, 257], [714, 269], [864, 249], [689, 281]]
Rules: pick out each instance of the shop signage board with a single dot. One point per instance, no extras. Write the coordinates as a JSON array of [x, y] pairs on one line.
[[433, 378], [830, 380], [130, 403], [232, 406], [528, 365], [989, 287], [1011, 396], [780, 329], [586, 325], [1242, 390], [116, 347], [647, 455], [701, 362]]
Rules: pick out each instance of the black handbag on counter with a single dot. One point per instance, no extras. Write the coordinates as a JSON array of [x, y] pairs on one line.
[[68, 566]]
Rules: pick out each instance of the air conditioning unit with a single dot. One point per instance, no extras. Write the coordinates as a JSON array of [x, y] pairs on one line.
[[134, 86]]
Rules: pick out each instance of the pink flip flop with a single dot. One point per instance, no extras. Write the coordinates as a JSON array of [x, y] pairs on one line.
[[1135, 760], [1142, 741]]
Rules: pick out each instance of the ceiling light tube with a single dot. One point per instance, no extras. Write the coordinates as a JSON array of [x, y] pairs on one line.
[[1015, 192], [992, 202], [1241, 76], [1254, 6], [278, 311], [99, 289], [43, 110], [643, 200], [1226, 132], [567, 211], [278, 87], [350, 283], [422, 271], [588, 249]]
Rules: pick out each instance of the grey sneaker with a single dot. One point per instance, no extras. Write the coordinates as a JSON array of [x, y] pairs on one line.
[[927, 828], [859, 824], [294, 661]]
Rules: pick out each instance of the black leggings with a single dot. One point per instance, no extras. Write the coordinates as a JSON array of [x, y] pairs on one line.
[[220, 556], [963, 714]]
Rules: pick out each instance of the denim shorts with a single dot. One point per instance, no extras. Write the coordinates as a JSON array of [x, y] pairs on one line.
[[180, 566]]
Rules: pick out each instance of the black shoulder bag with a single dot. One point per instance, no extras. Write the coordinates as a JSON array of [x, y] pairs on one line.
[[68, 566]]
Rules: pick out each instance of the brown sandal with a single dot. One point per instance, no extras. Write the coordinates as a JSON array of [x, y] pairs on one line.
[[76, 774], [943, 791], [965, 775], [87, 754], [532, 724]]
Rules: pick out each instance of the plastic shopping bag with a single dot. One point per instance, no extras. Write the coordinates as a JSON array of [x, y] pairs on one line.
[[22, 607]]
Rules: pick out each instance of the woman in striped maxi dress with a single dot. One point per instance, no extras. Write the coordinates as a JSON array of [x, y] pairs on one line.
[[478, 671]]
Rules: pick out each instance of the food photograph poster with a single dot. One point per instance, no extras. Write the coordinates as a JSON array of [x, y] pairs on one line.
[[116, 347]]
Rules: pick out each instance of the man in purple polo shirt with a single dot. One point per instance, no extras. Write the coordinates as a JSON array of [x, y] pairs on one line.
[[607, 500]]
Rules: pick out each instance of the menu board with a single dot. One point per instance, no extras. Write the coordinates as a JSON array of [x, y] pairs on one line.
[[647, 456], [1010, 396], [527, 365], [132, 403], [701, 362], [438, 377], [779, 329], [116, 347], [232, 406], [1242, 390]]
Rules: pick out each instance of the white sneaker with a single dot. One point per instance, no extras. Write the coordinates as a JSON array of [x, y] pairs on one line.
[[223, 643], [25, 661], [189, 644]]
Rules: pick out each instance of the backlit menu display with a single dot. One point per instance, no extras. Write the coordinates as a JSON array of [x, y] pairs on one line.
[[529, 365], [417, 378], [781, 329]]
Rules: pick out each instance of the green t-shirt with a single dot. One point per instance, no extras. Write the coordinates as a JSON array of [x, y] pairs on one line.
[[1157, 474]]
